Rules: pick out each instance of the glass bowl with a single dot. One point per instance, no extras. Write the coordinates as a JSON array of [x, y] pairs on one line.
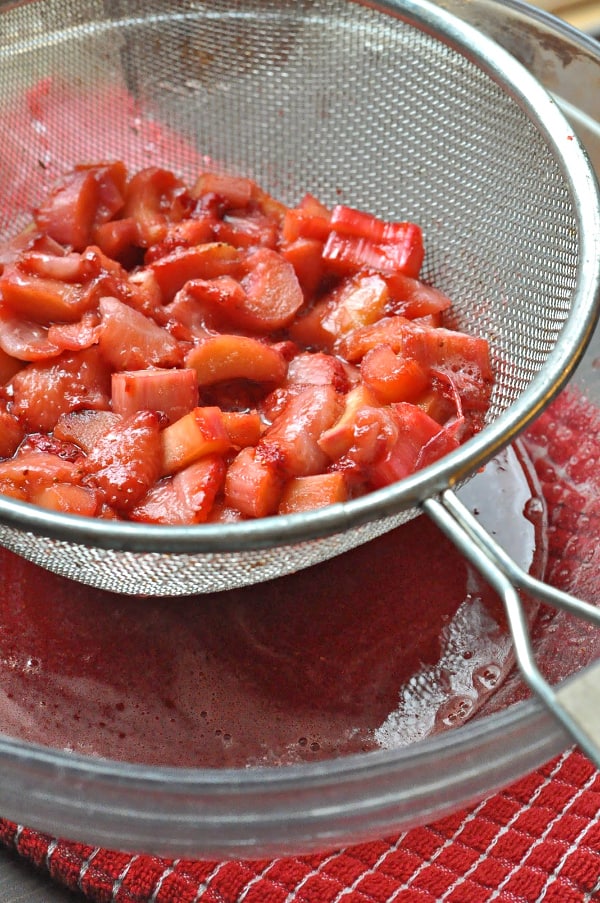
[[306, 802]]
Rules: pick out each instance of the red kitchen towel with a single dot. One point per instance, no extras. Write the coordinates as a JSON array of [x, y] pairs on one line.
[[538, 840]]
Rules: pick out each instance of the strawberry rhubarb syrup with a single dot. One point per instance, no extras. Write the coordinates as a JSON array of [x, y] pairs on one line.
[[379, 647]]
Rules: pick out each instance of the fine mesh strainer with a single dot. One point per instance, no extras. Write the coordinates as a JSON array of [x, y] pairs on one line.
[[397, 108]]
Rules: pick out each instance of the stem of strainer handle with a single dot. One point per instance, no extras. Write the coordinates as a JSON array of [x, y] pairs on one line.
[[575, 703]]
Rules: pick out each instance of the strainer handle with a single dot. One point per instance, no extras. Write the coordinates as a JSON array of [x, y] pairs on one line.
[[575, 703]]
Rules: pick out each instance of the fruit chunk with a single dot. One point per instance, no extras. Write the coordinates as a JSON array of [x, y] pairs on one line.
[[226, 357], [170, 392]]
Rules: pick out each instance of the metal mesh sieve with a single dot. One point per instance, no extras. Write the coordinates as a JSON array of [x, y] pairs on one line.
[[396, 108]]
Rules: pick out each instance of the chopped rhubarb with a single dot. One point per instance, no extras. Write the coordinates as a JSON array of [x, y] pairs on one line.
[[347, 254], [315, 491], [43, 300], [415, 430], [172, 393], [253, 486], [154, 198], [200, 433], [233, 191], [339, 438], [227, 357], [243, 427], [67, 498]]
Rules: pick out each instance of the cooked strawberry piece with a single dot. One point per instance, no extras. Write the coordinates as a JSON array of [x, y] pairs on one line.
[[154, 198], [12, 432], [51, 445], [253, 486], [32, 470], [145, 295], [71, 267], [243, 427], [227, 357], [415, 430], [126, 460], [185, 498], [186, 234], [318, 369], [222, 513], [69, 212], [9, 364], [292, 440], [85, 428], [308, 330], [205, 261], [233, 191], [43, 300], [387, 331], [367, 437], [347, 254], [273, 293], [200, 433], [219, 298], [450, 437], [29, 239], [250, 229], [75, 336], [393, 377], [411, 298], [129, 340], [68, 498], [339, 438], [463, 359], [118, 239], [22, 340], [45, 390], [315, 491], [356, 302], [111, 178], [171, 393]]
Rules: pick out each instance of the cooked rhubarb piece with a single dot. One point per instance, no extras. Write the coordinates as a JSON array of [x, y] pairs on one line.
[[170, 392], [226, 357], [315, 491], [200, 433], [253, 485]]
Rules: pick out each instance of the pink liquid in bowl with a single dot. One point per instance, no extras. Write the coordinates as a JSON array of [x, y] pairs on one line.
[[382, 646]]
